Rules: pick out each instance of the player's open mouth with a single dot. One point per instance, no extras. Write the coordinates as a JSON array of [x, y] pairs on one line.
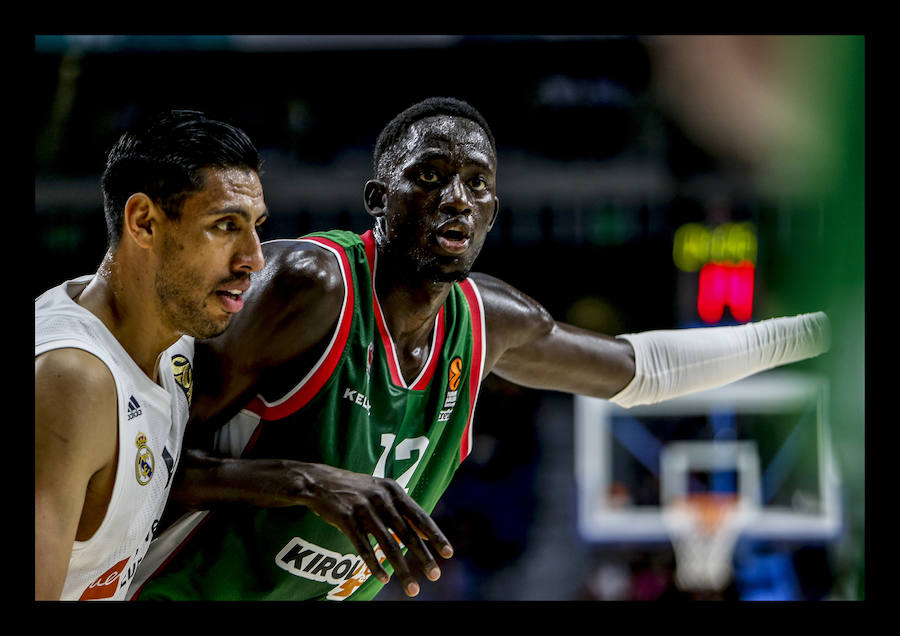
[[232, 299], [453, 237]]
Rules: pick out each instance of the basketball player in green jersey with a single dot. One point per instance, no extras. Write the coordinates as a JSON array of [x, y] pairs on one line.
[[341, 400]]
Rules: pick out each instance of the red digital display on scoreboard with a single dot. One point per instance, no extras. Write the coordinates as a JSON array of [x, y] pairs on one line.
[[726, 285]]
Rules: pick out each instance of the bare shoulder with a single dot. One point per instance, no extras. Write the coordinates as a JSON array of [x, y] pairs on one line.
[[75, 403], [298, 266], [512, 318], [301, 282], [71, 373], [292, 304], [504, 304]]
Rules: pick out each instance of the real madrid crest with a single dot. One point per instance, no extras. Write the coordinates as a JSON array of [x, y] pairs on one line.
[[143, 463], [181, 368]]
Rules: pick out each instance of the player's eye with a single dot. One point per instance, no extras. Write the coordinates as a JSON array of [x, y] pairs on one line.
[[478, 184], [428, 176], [226, 225]]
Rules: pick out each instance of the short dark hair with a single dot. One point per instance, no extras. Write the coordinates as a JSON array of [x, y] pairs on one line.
[[429, 107], [164, 157]]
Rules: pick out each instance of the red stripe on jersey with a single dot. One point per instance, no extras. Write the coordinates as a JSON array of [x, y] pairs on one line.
[[437, 343], [393, 361], [307, 389], [477, 367], [369, 241]]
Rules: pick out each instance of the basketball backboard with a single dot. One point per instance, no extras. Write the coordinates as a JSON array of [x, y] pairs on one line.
[[765, 439]]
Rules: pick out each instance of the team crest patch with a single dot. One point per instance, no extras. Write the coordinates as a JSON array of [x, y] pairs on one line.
[[143, 463], [181, 368]]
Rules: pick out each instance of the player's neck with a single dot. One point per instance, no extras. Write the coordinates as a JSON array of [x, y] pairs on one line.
[[409, 307], [121, 300], [411, 310]]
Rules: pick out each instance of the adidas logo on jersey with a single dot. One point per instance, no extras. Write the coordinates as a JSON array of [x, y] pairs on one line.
[[134, 409]]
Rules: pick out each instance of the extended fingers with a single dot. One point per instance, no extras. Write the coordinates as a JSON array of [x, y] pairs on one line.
[[427, 529]]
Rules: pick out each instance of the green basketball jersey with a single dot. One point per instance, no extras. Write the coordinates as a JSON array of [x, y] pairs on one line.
[[354, 410]]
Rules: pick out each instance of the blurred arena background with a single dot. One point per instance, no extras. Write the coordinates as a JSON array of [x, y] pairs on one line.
[[633, 171]]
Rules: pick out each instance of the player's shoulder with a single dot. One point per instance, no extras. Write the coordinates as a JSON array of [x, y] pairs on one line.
[[75, 413], [296, 265], [300, 288], [498, 295], [509, 306], [72, 376]]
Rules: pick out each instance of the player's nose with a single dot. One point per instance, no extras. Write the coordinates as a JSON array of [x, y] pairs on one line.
[[455, 198], [249, 256]]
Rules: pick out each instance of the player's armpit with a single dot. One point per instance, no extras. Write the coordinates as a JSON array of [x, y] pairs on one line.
[[75, 439]]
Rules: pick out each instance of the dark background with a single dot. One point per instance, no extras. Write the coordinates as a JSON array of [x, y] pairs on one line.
[[598, 166]]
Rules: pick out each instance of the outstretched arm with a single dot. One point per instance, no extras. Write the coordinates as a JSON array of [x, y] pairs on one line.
[[526, 346]]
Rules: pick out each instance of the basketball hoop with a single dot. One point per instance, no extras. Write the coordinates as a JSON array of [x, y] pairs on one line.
[[704, 529]]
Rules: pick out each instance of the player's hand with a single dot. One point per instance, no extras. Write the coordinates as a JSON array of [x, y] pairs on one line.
[[356, 504], [361, 505]]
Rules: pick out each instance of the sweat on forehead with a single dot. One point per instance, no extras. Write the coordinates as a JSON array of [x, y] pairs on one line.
[[445, 107], [442, 134]]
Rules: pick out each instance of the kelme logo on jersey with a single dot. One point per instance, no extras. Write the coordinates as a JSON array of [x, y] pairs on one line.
[[454, 374], [313, 562], [181, 368], [143, 463]]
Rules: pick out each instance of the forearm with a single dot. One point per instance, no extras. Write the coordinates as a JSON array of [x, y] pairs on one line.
[[206, 482], [670, 363]]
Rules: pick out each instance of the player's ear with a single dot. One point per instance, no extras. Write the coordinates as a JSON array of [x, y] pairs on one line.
[[140, 219], [375, 197], [495, 214]]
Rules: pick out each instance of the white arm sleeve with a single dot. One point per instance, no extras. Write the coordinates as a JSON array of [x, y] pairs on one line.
[[671, 363]]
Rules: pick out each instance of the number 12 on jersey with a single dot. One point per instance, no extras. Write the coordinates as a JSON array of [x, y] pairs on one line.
[[402, 451]]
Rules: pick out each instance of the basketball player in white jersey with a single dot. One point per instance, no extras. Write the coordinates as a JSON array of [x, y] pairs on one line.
[[114, 350]]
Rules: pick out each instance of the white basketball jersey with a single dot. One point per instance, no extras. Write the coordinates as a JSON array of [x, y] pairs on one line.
[[152, 420]]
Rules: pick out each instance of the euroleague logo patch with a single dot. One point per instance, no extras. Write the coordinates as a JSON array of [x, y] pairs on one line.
[[455, 371], [181, 368], [454, 376]]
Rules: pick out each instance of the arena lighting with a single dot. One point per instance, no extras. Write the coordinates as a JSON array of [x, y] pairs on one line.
[[726, 284]]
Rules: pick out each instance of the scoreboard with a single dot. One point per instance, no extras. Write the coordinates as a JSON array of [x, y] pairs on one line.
[[725, 258]]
